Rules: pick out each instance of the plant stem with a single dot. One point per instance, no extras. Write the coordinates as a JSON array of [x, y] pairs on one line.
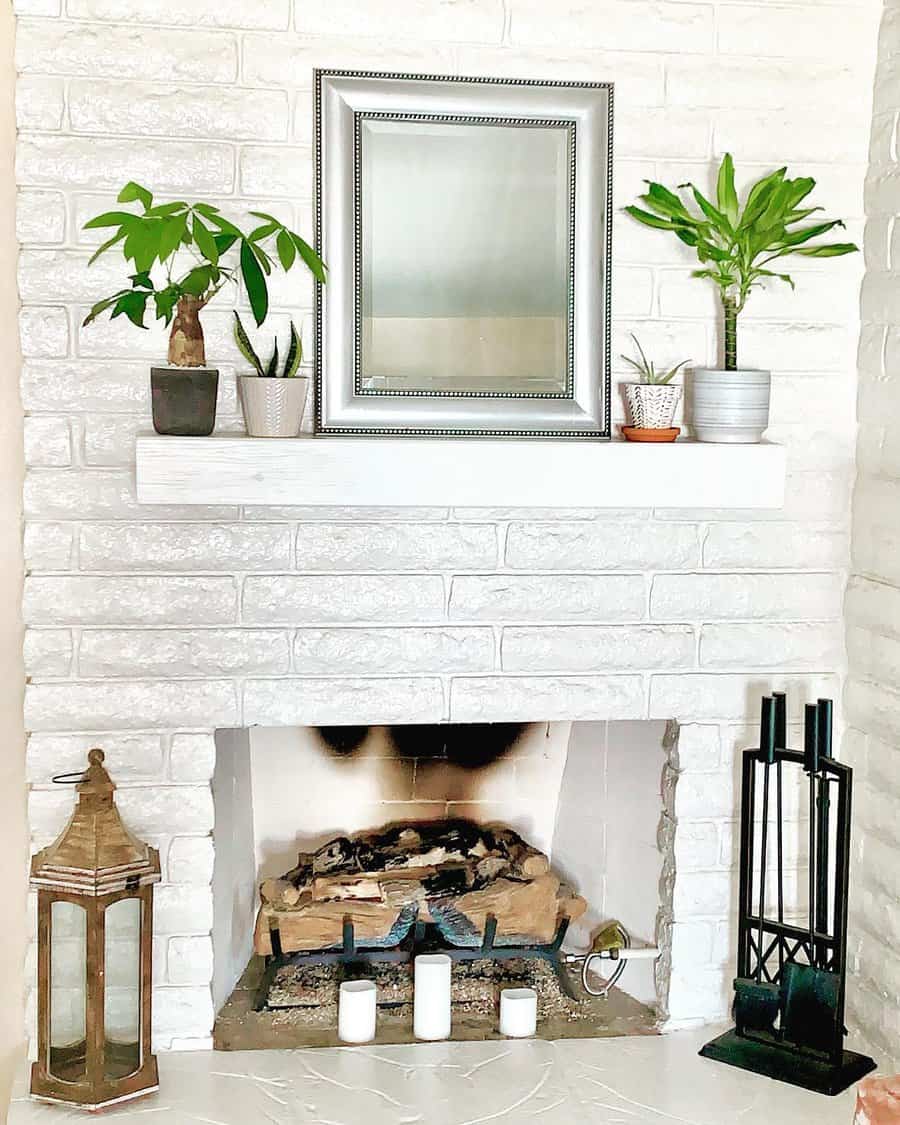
[[186, 345], [729, 304]]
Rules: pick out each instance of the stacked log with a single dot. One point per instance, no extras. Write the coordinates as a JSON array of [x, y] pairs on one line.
[[453, 873]]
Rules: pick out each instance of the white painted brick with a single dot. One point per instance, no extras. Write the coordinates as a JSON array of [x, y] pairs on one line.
[[44, 332], [706, 893], [131, 705], [185, 547], [325, 701], [182, 908], [48, 546], [786, 31], [562, 597], [40, 215], [874, 708], [700, 994], [699, 747], [40, 103], [599, 546], [704, 796], [801, 646], [873, 657], [704, 697], [276, 171], [129, 757], [641, 26], [757, 83], [47, 442], [395, 546], [110, 439], [596, 648], [182, 652], [130, 600], [109, 50], [189, 960], [217, 113], [521, 698], [181, 808], [55, 275], [296, 600], [202, 13], [36, 7], [190, 860], [62, 494], [180, 1012], [775, 545], [779, 597], [674, 132], [289, 60], [873, 605], [169, 165], [387, 650], [48, 652], [462, 20], [696, 845], [692, 944], [192, 757]]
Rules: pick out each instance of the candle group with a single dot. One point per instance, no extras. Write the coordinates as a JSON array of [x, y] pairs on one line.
[[432, 1017]]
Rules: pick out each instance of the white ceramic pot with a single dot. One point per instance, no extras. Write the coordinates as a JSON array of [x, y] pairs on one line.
[[652, 405], [730, 406], [273, 407]]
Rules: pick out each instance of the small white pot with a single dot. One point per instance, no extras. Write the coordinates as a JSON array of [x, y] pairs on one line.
[[652, 405], [273, 407], [730, 406]]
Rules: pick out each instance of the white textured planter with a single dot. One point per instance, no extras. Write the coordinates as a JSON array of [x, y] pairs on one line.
[[273, 407], [652, 405], [730, 406]]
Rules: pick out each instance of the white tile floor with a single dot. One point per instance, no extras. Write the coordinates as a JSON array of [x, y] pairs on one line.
[[628, 1081]]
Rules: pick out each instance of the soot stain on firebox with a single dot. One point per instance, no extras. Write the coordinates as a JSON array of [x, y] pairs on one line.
[[471, 746]]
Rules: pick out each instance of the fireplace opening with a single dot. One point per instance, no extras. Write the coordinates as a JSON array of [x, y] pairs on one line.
[[343, 852]]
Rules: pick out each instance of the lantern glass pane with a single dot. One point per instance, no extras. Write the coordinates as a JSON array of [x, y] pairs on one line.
[[122, 995], [68, 991]]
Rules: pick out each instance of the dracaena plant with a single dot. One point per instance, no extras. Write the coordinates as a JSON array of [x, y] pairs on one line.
[[270, 369], [182, 254], [736, 244]]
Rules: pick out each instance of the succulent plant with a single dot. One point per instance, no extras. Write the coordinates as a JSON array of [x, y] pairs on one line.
[[269, 370], [647, 370]]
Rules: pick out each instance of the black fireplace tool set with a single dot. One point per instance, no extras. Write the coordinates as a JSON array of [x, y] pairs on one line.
[[791, 977]]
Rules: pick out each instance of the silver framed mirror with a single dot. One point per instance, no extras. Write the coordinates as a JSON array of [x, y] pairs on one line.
[[466, 224]]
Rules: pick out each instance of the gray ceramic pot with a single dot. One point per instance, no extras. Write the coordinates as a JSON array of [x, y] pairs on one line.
[[729, 406], [183, 400], [273, 407]]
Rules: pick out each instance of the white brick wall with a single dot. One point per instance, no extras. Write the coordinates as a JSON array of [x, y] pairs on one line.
[[872, 608], [150, 627]]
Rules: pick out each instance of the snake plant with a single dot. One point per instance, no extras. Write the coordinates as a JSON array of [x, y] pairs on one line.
[[269, 370]]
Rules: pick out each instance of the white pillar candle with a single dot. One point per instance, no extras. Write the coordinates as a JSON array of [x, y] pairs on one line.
[[518, 1012], [431, 1005], [356, 1011]]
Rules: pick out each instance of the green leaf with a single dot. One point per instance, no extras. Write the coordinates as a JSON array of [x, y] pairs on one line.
[[132, 304], [101, 306], [133, 192], [254, 283], [110, 219], [264, 215], [726, 196], [141, 280], [142, 244], [216, 219], [294, 356], [197, 281], [287, 251], [264, 231], [225, 242], [759, 195], [649, 220], [313, 262], [244, 346], [205, 242], [165, 302], [173, 230], [262, 257], [834, 250], [780, 276], [718, 220], [165, 210], [106, 245], [272, 369], [797, 237], [205, 209]]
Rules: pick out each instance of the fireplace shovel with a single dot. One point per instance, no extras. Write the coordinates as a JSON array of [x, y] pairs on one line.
[[811, 995], [756, 1001]]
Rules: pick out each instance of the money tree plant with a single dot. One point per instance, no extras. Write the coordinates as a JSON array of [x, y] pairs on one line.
[[736, 243], [182, 254]]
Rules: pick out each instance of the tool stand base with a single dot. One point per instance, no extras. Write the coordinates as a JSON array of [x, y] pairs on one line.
[[784, 1064]]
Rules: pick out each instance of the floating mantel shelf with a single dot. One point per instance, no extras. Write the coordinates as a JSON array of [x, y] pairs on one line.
[[401, 472]]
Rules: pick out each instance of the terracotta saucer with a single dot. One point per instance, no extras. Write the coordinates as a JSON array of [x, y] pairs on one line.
[[635, 433]]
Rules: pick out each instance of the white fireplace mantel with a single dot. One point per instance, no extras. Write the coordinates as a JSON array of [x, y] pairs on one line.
[[403, 472]]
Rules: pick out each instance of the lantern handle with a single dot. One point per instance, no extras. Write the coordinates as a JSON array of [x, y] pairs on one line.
[[75, 778]]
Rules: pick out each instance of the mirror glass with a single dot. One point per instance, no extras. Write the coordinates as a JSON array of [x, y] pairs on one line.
[[466, 257]]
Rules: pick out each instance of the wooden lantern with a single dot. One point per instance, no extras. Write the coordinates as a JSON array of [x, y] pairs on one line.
[[95, 930]]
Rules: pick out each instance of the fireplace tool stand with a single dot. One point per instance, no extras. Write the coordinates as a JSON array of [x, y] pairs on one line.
[[418, 938], [790, 985]]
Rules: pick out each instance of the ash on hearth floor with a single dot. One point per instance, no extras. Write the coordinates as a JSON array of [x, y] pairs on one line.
[[303, 1006]]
